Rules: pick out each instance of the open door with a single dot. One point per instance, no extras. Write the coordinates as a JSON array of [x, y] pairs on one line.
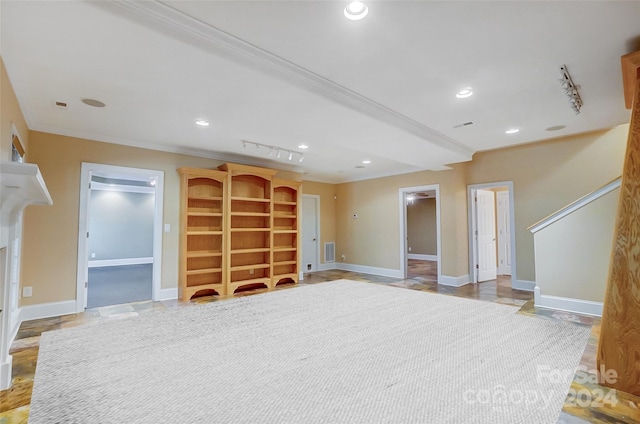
[[504, 232], [486, 227]]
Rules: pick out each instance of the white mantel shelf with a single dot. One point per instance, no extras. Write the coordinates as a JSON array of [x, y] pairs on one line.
[[21, 184]]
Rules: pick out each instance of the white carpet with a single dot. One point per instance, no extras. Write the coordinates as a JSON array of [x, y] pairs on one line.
[[338, 352]]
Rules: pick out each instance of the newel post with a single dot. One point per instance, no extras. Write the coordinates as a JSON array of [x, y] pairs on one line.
[[619, 343]]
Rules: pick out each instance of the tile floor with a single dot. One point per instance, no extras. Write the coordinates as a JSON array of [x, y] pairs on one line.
[[586, 402]]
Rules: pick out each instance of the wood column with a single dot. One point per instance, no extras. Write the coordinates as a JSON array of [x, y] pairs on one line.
[[619, 344]]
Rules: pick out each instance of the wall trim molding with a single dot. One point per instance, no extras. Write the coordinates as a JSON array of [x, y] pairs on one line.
[[385, 272], [5, 372], [523, 285], [422, 257], [447, 280], [47, 310], [327, 266], [168, 294], [579, 306], [120, 262]]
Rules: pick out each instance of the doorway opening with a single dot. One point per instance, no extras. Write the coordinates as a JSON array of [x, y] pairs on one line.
[[492, 247], [420, 233], [119, 235]]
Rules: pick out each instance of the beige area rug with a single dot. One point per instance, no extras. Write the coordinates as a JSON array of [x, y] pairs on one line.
[[337, 352]]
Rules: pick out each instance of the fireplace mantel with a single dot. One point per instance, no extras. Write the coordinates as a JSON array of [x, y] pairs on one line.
[[21, 185]]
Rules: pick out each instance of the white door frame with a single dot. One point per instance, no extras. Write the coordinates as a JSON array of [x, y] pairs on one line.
[[316, 197], [471, 211], [88, 169], [402, 202]]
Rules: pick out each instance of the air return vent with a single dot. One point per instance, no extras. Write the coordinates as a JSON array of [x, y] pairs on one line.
[[330, 251], [464, 124]]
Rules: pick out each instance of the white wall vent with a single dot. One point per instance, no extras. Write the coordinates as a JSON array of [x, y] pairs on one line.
[[330, 251]]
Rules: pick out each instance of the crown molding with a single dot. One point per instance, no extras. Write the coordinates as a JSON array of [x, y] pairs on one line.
[[220, 42]]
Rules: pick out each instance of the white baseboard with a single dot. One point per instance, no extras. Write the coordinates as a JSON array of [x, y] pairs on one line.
[[46, 310], [579, 306], [422, 257], [385, 272], [168, 294], [523, 285], [5, 373], [327, 266], [446, 280], [13, 332], [119, 262]]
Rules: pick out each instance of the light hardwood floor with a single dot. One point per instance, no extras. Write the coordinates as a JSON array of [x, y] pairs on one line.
[[15, 402]]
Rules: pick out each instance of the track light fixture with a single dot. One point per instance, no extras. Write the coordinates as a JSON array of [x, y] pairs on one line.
[[570, 90], [272, 151]]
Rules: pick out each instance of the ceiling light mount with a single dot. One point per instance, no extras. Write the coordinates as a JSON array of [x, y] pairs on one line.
[[272, 151], [92, 102], [356, 10], [570, 90]]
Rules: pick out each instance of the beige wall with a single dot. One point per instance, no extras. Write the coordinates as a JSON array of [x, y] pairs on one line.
[[10, 113], [572, 255], [548, 176], [422, 227], [374, 238], [327, 193], [51, 234]]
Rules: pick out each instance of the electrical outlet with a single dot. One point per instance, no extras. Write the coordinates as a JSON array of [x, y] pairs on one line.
[[344, 257], [93, 255], [251, 271], [409, 248], [27, 291]]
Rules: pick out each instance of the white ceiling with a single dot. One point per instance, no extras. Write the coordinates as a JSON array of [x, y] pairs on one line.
[[289, 72]]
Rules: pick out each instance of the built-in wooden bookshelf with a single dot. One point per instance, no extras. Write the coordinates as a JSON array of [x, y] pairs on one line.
[[248, 230], [285, 232], [202, 221], [240, 229]]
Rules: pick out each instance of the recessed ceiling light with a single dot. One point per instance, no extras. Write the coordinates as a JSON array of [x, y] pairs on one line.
[[512, 130], [556, 128], [202, 123], [93, 103], [356, 10], [366, 161], [464, 93], [303, 146]]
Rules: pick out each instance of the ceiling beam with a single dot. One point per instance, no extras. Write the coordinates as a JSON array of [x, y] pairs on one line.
[[221, 42]]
